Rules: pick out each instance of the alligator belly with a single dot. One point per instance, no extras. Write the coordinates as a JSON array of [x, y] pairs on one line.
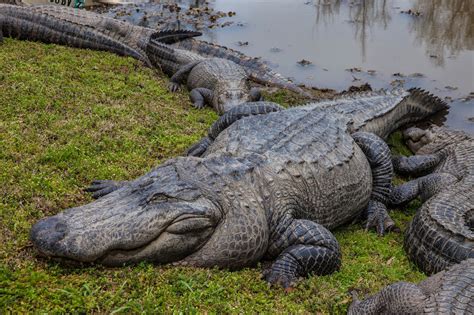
[[331, 196]]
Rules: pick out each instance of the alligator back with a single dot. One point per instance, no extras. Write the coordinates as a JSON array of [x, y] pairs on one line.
[[313, 166], [455, 294]]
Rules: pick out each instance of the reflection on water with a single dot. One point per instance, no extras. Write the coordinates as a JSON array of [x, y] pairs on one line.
[[363, 14], [433, 51], [446, 28]]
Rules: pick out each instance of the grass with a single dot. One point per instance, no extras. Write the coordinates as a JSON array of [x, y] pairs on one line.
[[70, 116]]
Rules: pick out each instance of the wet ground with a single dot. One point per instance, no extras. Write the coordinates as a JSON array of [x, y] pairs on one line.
[[339, 43]]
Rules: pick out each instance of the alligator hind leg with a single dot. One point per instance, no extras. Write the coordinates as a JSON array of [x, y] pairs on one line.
[[303, 247], [200, 97], [425, 187], [378, 155], [100, 188], [181, 75], [416, 164]]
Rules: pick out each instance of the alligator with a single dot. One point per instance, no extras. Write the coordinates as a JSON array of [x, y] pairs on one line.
[[447, 292], [220, 74], [268, 187], [219, 82], [442, 231]]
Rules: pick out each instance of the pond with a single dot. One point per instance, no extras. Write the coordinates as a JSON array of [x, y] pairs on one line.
[[386, 43]]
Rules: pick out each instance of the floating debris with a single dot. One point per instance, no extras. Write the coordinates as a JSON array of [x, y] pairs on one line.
[[411, 12], [471, 119], [358, 88], [354, 79], [397, 83], [242, 43], [417, 75], [354, 70], [452, 88], [304, 62], [398, 74], [275, 49]]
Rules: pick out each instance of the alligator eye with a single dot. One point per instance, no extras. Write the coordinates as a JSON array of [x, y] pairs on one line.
[[160, 197]]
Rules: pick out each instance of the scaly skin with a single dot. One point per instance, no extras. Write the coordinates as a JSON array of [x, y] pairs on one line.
[[81, 29], [218, 82], [442, 231], [255, 68], [269, 186], [447, 292]]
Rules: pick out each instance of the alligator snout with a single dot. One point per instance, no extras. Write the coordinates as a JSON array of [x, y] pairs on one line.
[[47, 233]]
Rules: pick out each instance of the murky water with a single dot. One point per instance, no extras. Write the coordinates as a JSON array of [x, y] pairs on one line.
[[351, 42]]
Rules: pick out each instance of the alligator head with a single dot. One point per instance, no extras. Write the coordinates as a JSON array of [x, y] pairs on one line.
[[431, 140], [159, 217], [228, 95], [417, 138]]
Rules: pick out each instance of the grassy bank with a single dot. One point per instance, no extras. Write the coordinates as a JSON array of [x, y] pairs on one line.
[[70, 116]]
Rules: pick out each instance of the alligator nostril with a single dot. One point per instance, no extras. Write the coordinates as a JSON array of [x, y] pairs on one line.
[[60, 227], [47, 232]]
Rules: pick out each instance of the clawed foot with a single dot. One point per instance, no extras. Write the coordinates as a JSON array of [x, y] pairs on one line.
[[199, 104], [100, 188], [173, 87], [379, 219], [275, 278]]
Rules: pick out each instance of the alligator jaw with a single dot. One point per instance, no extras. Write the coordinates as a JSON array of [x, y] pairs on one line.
[[152, 220]]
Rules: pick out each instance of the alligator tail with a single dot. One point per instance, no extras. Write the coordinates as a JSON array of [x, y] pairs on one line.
[[162, 56], [173, 36], [255, 68], [411, 106]]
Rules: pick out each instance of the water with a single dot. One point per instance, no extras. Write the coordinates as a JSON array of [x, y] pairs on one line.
[[434, 51]]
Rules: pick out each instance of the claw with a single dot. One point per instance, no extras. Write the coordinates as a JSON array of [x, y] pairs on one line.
[[275, 278], [379, 219], [198, 104], [173, 87], [100, 188]]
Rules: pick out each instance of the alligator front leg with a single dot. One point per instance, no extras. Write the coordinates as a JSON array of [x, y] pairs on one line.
[[303, 247], [100, 188], [199, 148], [230, 117], [416, 164], [200, 97], [181, 75], [378, 155], [425, 187]]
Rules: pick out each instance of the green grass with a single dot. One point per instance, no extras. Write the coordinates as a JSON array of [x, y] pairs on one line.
[[70, 116]]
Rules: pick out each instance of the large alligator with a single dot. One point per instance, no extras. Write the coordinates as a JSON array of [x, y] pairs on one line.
[[269, 186], [442, 231], [447, 292], [220, 74]]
